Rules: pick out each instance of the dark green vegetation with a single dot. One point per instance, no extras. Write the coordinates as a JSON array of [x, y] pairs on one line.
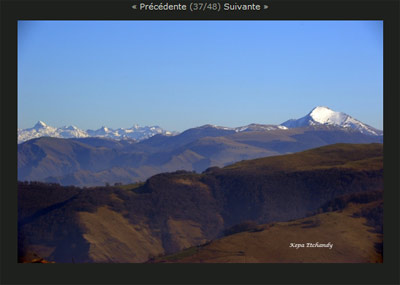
[[96, 161], [173, 211]]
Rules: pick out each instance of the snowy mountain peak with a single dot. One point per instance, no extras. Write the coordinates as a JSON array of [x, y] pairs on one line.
[[70, 128], [325, 116], [40, 125], [321, 110]]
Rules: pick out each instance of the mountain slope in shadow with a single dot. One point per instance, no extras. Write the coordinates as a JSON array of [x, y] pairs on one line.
[[173, 211], [347, 235]]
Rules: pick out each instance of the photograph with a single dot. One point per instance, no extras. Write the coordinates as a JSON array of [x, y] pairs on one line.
[[189, 141]]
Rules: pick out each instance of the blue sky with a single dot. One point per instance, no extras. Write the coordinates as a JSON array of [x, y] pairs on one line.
[[182, 74]]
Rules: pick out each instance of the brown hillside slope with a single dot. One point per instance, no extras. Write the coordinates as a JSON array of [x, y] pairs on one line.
[[173, 211], [350, 156], [352, 239]]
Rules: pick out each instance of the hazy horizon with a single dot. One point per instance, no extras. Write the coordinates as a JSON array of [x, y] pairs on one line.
[[184, 74]]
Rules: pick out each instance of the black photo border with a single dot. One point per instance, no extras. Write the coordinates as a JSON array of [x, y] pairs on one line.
[[14, 273]]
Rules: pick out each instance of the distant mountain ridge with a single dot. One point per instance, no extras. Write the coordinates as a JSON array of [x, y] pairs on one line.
[[96, 161], [136, 132], [105, 156], [318, 116]]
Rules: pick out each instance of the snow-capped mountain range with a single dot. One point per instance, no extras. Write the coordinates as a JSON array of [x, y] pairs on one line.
[[136, 132], [248, 128], [318, 116], [324, 116]]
